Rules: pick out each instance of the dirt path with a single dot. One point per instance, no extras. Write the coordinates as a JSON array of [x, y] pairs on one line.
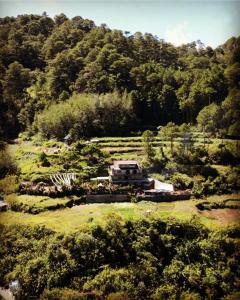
[[6, 294]]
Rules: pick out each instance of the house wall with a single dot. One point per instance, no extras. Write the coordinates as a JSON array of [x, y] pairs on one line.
[[127, 177]]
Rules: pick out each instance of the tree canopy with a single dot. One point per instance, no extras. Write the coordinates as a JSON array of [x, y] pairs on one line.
[[45, 61]]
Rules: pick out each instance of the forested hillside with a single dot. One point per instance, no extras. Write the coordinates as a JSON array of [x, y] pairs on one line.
[[148, 81]]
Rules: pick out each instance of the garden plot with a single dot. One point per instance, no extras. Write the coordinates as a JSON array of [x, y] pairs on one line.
[[224, 216]]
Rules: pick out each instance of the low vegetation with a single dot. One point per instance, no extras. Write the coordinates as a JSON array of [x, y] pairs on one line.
[[37, 204], [66, 215], [144, 259]]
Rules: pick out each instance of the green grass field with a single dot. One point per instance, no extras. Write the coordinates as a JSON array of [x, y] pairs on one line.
[[84, 216], [37, 201]]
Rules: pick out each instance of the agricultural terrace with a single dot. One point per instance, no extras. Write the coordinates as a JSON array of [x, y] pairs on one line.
[[83, 216], [71, 213]]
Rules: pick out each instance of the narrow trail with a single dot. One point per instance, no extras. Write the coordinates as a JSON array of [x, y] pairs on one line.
[[6, 294]]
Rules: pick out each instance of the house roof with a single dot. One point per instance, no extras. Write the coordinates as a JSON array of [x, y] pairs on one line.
[[116, 163]]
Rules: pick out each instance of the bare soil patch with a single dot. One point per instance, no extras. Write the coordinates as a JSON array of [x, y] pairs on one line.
[[225, 215]]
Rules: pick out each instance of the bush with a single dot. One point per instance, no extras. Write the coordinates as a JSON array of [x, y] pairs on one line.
[[86, 116], [182, 181], [194, 157], [223, 156], [7, 164], [110, 281], [68, 294], [9, 184], [233, 179], [198, 189], [43, 159], [118, 296], [166, 291], [208, 171]]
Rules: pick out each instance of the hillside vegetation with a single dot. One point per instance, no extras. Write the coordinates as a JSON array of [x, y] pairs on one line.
[[144, 259], [44, 62], [75, 96]]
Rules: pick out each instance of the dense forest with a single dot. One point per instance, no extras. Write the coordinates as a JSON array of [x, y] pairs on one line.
[[145, 259], [72, 73]]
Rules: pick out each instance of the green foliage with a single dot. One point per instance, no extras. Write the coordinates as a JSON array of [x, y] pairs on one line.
[[43, 159], [9, 184], [169, 131], [92, 152], [8, 165], [44, 60], [166, 291], [13, 85], [182, 181], [148, 138], [69, 294], [86, 115], [37, 204], [228, 203], [110, 280], [123, 260], [223, 156], [209, 118]]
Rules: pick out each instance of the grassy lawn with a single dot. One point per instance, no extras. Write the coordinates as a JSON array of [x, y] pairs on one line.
[[220, 198], [36, 204], [37, 201], [83, 216]]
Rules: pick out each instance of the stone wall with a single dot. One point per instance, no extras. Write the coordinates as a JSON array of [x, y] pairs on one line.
[[107, 198]]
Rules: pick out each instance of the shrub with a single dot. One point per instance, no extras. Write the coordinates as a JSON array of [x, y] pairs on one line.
[[233, 179], [190, 296], [208, 171], [43, 159], [7, 164], [13, 203], [69, 294], [182, 181], [170, 168], [118, 296], [198, 190], [166, 291], [86, 116], [223, 156], [189, 157], [110, 281], [9, 184]]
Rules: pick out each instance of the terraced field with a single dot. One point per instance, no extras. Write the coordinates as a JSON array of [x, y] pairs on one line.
[[132, 147], [87, 215], [64, 219]]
